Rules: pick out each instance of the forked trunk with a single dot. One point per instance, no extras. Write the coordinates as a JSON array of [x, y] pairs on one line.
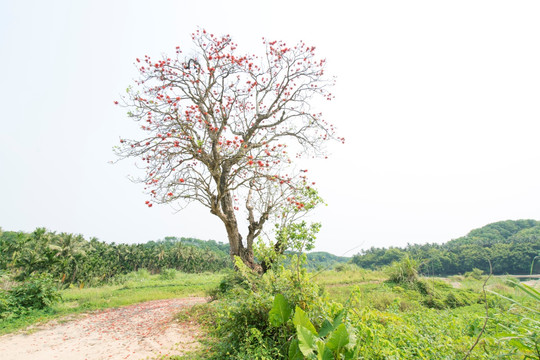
[[224, 209], [238, 248]]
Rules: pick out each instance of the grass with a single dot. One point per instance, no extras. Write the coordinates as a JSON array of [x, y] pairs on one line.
[[438, 317], [138, 290], [374, 291], [339, 284], [397, 312], [448, 313], [400, 315], [138, 287]]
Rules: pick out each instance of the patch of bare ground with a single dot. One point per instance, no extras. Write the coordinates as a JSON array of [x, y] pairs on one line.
[[141, 331]]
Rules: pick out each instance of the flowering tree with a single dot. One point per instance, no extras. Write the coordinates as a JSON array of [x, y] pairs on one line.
[[222, 129]]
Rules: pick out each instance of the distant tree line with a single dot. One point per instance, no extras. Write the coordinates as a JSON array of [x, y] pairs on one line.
[[511, 247], [321, 260], [72, 259]]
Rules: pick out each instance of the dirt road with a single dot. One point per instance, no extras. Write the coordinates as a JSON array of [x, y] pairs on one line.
[[141, 331]]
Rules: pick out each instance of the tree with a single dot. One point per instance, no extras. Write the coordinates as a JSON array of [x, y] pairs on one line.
[[70, 250], [224, 129]]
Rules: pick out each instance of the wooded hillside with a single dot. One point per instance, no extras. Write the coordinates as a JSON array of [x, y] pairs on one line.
[[510, 245]]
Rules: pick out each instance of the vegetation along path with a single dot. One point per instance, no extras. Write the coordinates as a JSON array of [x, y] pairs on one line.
[[140, 331]]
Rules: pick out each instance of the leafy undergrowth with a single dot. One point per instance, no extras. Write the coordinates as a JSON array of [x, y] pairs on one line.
[[130, 289], [286, 315], [350, 313]]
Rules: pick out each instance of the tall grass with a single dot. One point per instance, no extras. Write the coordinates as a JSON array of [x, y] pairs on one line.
[[404, 271]]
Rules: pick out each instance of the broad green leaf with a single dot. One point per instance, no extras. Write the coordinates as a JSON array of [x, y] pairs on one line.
[[327, 355], [339, 338], [301, 318], [306, 341], [323, 352], [326, 328], [351, 354], [280, 312], [338, 320], [294, 351]]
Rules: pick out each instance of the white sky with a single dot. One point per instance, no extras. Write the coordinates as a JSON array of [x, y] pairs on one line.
[[438, 101]]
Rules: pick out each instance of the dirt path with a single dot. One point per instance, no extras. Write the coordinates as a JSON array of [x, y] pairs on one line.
[[141, 331]]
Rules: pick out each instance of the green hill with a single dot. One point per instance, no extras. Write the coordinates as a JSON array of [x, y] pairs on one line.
[[509, 245]]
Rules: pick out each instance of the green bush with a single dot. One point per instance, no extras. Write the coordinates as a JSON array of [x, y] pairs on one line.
[[404, 271], [5, 303], [347, 267], [232, 280], [38, 292], [142, 273], [475, 274], [241, 327], [168, 274]]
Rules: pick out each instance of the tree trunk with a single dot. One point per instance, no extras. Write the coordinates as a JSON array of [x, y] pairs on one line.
[[235, 239], [238, 249], [224, 209]]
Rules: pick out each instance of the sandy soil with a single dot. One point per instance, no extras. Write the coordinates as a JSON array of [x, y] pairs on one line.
[[532, 283], [142, 331]]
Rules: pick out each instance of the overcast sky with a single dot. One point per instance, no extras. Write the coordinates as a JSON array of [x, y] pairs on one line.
[[439, 102]]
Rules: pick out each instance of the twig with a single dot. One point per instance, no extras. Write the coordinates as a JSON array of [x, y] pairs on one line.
[[487, 313]]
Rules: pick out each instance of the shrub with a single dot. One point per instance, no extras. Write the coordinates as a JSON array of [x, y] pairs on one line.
[[347, 267], [5, 303], [37, 292], [404, 271], [242, 315], [475, 274], [232, 280], [168, 274], [142, 274]]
